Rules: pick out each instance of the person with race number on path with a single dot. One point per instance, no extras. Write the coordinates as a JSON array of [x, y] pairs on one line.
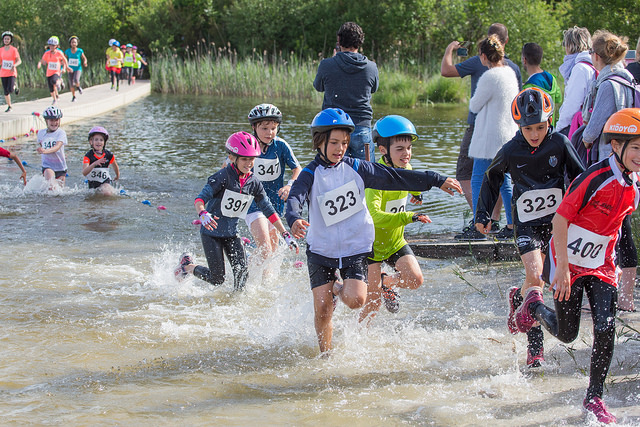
[[228, 195], [114, 63], [97, 161], [51, 142], [137, 65], [340, 230], [586, 227], [128, 61], [10, 60], [394, 136], [56, 63], [269, 168], [537, 160], [76, 60]]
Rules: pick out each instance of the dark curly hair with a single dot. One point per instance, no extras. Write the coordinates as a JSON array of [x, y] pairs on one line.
[[350, 35]]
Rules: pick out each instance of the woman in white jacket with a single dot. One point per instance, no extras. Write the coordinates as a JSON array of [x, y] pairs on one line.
[[496, 89]]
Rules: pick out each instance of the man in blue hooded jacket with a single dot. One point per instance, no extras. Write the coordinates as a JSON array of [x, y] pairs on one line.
[[348, 79]]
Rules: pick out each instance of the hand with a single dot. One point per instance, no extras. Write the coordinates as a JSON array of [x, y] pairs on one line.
[[562, 282], [100, 161], [421, 218], [587, 144], [40, 150], [284, 192], [207, 221], [299, 228], [290, 241], [453, 45], [416, 199], [483, 228], [451, 185], [23, 176]]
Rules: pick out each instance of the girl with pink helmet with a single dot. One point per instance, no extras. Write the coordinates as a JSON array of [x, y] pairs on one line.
[[228, 195], [95, 165]]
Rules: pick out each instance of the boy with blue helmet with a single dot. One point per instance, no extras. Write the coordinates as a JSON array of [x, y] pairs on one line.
[[394, 136], [269, 168], [340, 230]]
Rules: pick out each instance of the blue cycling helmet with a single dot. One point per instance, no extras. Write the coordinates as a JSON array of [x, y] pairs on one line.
[[389, 126], [116, 43], [331, 118]]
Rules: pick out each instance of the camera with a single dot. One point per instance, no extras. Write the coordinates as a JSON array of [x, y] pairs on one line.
[[463, 50]]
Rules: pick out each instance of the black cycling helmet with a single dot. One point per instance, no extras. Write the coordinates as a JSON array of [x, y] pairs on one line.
[[531, 106]]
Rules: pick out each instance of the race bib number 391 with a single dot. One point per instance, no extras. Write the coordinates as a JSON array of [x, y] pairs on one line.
[[536, 204], [585, 248], [340, 204], [235, 205]]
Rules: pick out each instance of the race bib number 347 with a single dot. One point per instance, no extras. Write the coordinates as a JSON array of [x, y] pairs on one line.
[[340, 204], [585, 248]]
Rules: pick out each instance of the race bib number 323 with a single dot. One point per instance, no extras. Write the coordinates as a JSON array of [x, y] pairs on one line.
[[340, 204], [535, 204]]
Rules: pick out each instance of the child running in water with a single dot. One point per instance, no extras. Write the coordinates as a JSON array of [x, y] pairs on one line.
[[537, 160], [97, 160], [76, 59], [340, 229], [228, 195], [55, 62], [51, 143], [394, 136], [269, 168], [585, 231], [8, 154]]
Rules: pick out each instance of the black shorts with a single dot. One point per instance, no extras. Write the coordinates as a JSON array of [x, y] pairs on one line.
[[393, 259], [320, 274], [531, 238], [51, 81], [96, 184], [58, 173], [464, 166], [7, 84]]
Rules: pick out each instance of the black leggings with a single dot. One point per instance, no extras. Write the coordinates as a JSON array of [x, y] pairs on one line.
[[627, 252], [214, 250], [564, 323]]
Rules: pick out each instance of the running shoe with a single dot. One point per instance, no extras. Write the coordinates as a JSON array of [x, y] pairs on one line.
[[495, 227], [180, 272], [79, 90], [112, 86], [515, 300], [16, 90], [73, 98], [62, 84], [8, 109], [117, 88], [470, 234], [54, 102], [390, 297], [535, 361], [505, 234], [596, 406], [524, 319]]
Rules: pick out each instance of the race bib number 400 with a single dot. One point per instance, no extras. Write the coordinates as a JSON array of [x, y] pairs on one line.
[[235, 205], [536, 204], [395, 206], [99, 175], [266, 169], [585, 248], [340, 204]]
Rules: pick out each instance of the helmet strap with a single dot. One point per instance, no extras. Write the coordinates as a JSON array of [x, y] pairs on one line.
[[323, 154], [626, 172]]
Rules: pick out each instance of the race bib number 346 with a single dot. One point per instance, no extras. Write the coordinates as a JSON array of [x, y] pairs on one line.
[[585, 248], [340, 204], [536, 204], [235, 205]]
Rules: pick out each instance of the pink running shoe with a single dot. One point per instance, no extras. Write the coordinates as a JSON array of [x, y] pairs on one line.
[[513, 306], [597, 408], [179, 272], [535, 361], [524, 319]]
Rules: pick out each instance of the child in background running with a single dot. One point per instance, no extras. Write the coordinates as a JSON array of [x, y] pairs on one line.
[[394, 136], [51, 143], [114, 63], [8, 154], [228, 195], [137, 64], [269, 168], [586, 227], [55, 62], [97, 160], [127, 63], [76, 59], [10, 59], [537, 160], [340, 229]]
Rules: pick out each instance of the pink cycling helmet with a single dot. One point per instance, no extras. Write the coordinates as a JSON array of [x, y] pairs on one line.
[[99, 129], [243, 144]]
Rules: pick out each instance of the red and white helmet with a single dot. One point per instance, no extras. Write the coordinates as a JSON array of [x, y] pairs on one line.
[[243, 144]]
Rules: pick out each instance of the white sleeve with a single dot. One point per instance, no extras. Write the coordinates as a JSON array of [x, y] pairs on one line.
[[484, 90], [578, 87]]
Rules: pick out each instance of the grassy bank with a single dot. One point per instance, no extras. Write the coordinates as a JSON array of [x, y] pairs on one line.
[[266, 76]]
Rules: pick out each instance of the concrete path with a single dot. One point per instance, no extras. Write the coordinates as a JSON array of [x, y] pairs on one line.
[[94, 101]]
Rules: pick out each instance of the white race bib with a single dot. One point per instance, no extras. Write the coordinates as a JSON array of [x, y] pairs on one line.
[[74, 62], [48, 143], [113, 62], [395, 206], [535, 204], [585, 248], [341, 203], [53, 66], [235, 205], [7, 65], [266, 169], [99, 175]]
